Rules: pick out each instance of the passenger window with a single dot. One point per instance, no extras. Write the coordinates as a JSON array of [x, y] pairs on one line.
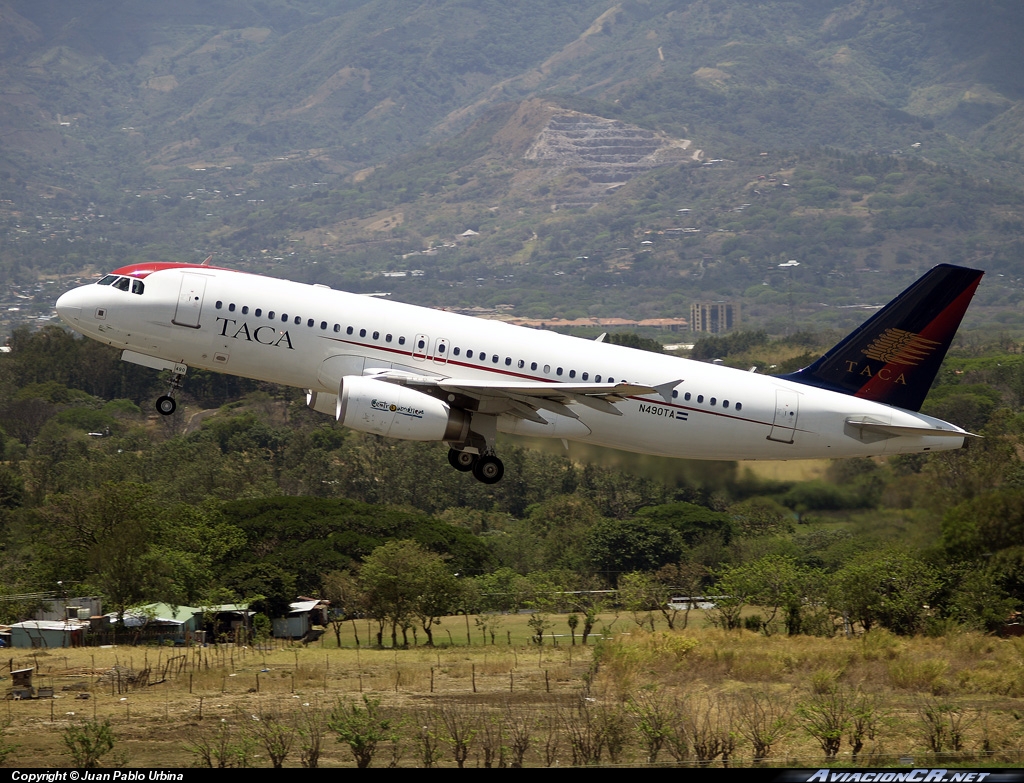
[[245, 310], [284, 318], [675, 393], [298, 320], [231, 307], [533, 365], [323, 325], [421, 344], [572, 373], [258, 312], [455, 351], [597, 379], [494, 359], [508, 361], [469, 354], [310, 323], [349, 330], [700, 398], [547, 369], [739, 406], [611, 379], [558, 371], [585, 376], [521, 364], [712, 400], [686, 396], [387, 338], [337, 327], [725, 403], [440, 348], [270, 315], [362, 333], [376, 335], [401, 341]]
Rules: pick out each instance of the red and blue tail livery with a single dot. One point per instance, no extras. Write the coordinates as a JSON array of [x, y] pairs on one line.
[[894, 356]]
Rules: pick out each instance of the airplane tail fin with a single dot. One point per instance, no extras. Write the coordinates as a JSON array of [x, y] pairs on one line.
[[894, 356]]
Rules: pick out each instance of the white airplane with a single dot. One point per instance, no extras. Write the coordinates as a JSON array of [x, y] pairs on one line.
[[420, 374]]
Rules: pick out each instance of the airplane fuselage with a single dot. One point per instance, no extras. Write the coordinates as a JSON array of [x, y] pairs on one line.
[[312, 337]]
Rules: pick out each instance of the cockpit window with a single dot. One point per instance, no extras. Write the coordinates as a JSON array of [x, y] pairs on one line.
[[122, 284], [107, 280], [138, 287]]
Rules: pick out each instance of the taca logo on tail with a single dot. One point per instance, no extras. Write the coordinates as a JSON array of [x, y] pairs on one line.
[[894, 356]]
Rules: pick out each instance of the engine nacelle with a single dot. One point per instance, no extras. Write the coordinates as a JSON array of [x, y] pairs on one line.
[[322, 402], [395, 411]]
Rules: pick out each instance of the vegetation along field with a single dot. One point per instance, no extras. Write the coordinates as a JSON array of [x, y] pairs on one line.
[[856, 608], [537, 160], [695, 697]]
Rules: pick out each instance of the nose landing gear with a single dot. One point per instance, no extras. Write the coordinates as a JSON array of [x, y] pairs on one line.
[[166, 405]]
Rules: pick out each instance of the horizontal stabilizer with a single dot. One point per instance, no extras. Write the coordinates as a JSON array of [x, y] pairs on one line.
[[900, 430]]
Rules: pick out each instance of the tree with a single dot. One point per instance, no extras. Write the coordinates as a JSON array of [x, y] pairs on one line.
[[342, 590], [986, 523], [88, 742], [891, 588], [362, 728], [776, 583], [106, 537], [637, 596], [404, 580]]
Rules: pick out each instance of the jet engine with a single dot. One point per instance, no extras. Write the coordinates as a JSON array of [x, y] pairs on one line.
[[322, 402], [395, 411]]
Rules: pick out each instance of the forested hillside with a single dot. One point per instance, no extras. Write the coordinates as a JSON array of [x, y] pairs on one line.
[[262, 499], [333, 143]]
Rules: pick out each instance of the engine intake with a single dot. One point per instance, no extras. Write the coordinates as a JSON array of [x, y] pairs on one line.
[[395, 411]]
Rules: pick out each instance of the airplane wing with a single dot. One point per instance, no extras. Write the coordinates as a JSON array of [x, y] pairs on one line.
[[525, 399]]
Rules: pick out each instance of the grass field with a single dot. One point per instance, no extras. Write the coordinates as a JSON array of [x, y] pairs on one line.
[[958, 699]]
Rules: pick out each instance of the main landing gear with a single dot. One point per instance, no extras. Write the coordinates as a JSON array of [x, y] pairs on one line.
[[166, 405], [486, 468]]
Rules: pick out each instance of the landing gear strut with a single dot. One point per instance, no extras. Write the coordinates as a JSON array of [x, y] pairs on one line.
[[476, 453], [166, 404]]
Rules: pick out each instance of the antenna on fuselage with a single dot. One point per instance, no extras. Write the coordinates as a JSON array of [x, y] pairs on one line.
[[600, 337], [209, 258]]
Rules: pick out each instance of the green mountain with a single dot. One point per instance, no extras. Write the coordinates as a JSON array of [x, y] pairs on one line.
[[334, 141]]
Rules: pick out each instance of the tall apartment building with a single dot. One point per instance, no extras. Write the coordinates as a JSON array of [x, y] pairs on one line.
[[714, 317]]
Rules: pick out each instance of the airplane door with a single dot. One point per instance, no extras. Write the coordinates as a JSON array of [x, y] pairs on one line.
[[419, 347], [787, 409], [441, 351], [190, 300]]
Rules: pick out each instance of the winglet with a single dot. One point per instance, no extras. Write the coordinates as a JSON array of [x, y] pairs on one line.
[[894, 356], [665, 389]]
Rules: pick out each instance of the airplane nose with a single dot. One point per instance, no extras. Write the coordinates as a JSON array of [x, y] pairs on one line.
[[68, 308]]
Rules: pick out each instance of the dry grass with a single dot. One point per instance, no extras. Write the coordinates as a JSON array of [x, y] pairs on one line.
[[975, 680]]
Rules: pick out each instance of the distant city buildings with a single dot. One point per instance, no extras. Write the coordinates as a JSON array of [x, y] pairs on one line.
[[714, 317]]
